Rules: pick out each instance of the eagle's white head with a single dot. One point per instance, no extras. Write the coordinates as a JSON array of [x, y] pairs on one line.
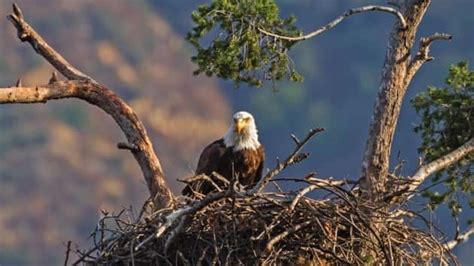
[[242, 133]]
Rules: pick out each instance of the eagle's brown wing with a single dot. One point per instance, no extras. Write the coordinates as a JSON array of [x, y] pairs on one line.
[[258, 174], [208, 162], [211, 157]]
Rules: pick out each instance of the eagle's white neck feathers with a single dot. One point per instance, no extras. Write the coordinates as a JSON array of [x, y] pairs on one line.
[[247, 138]]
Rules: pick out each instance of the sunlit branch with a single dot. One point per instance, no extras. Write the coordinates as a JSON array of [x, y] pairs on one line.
[[423, 55], [338, 20], [460, 239], [26, 33]]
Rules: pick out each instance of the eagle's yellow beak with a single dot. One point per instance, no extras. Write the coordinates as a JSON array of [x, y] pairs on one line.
[[239, 125]]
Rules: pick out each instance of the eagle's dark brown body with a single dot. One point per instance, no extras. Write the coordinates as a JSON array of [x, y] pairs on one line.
[[246, 165]]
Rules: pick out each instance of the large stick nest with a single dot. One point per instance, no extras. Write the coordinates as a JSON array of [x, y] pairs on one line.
[[267, 228], [333, 225]]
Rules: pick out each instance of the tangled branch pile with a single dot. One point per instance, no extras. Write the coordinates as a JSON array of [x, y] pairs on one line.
[[335, 226]]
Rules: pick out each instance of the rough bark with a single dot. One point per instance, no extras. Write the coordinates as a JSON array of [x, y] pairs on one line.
[[83, 87], [393, 85], [423, 54]]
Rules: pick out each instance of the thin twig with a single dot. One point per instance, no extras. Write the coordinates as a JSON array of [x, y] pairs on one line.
[[284, 234], [68, 250], [292, 158], [338, 20]]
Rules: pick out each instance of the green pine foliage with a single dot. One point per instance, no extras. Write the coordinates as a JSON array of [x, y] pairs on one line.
[[448, 122], [238, 50]]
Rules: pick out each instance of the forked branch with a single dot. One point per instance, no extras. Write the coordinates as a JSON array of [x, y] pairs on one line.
[[423, 54], [84, 87], [338, 20], [26, 33], [294, 157]]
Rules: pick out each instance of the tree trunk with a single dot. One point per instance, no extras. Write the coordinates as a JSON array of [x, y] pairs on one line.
[[393, 85]]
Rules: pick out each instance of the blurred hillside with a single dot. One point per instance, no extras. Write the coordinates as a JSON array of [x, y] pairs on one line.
[[136, 47], [59, 163]]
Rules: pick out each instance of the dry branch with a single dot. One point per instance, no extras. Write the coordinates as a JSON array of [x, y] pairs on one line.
[[409, 186], [114, 106], [84, 87], [447, 160], [460, 238], [423, 172], [338, 20], [294, 157], [423, 55], [26, 33]]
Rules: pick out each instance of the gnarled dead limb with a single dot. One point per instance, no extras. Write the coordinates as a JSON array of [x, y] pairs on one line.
[[84, 87], [423, 55], [123, 115], [338, 20], [26, 33]]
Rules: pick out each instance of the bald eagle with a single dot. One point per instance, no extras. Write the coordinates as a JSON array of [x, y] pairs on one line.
[[238, 154]]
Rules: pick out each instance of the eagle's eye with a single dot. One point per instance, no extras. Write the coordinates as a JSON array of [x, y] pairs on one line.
[[247, 119]]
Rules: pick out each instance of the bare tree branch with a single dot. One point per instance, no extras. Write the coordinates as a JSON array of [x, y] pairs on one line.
[[459, 239], [426, 170], [85, 88], [329, 182], [123, 115], [28, 34], [294, 157], [284, 234], [423, 52], [412, 183], [338, 20]]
